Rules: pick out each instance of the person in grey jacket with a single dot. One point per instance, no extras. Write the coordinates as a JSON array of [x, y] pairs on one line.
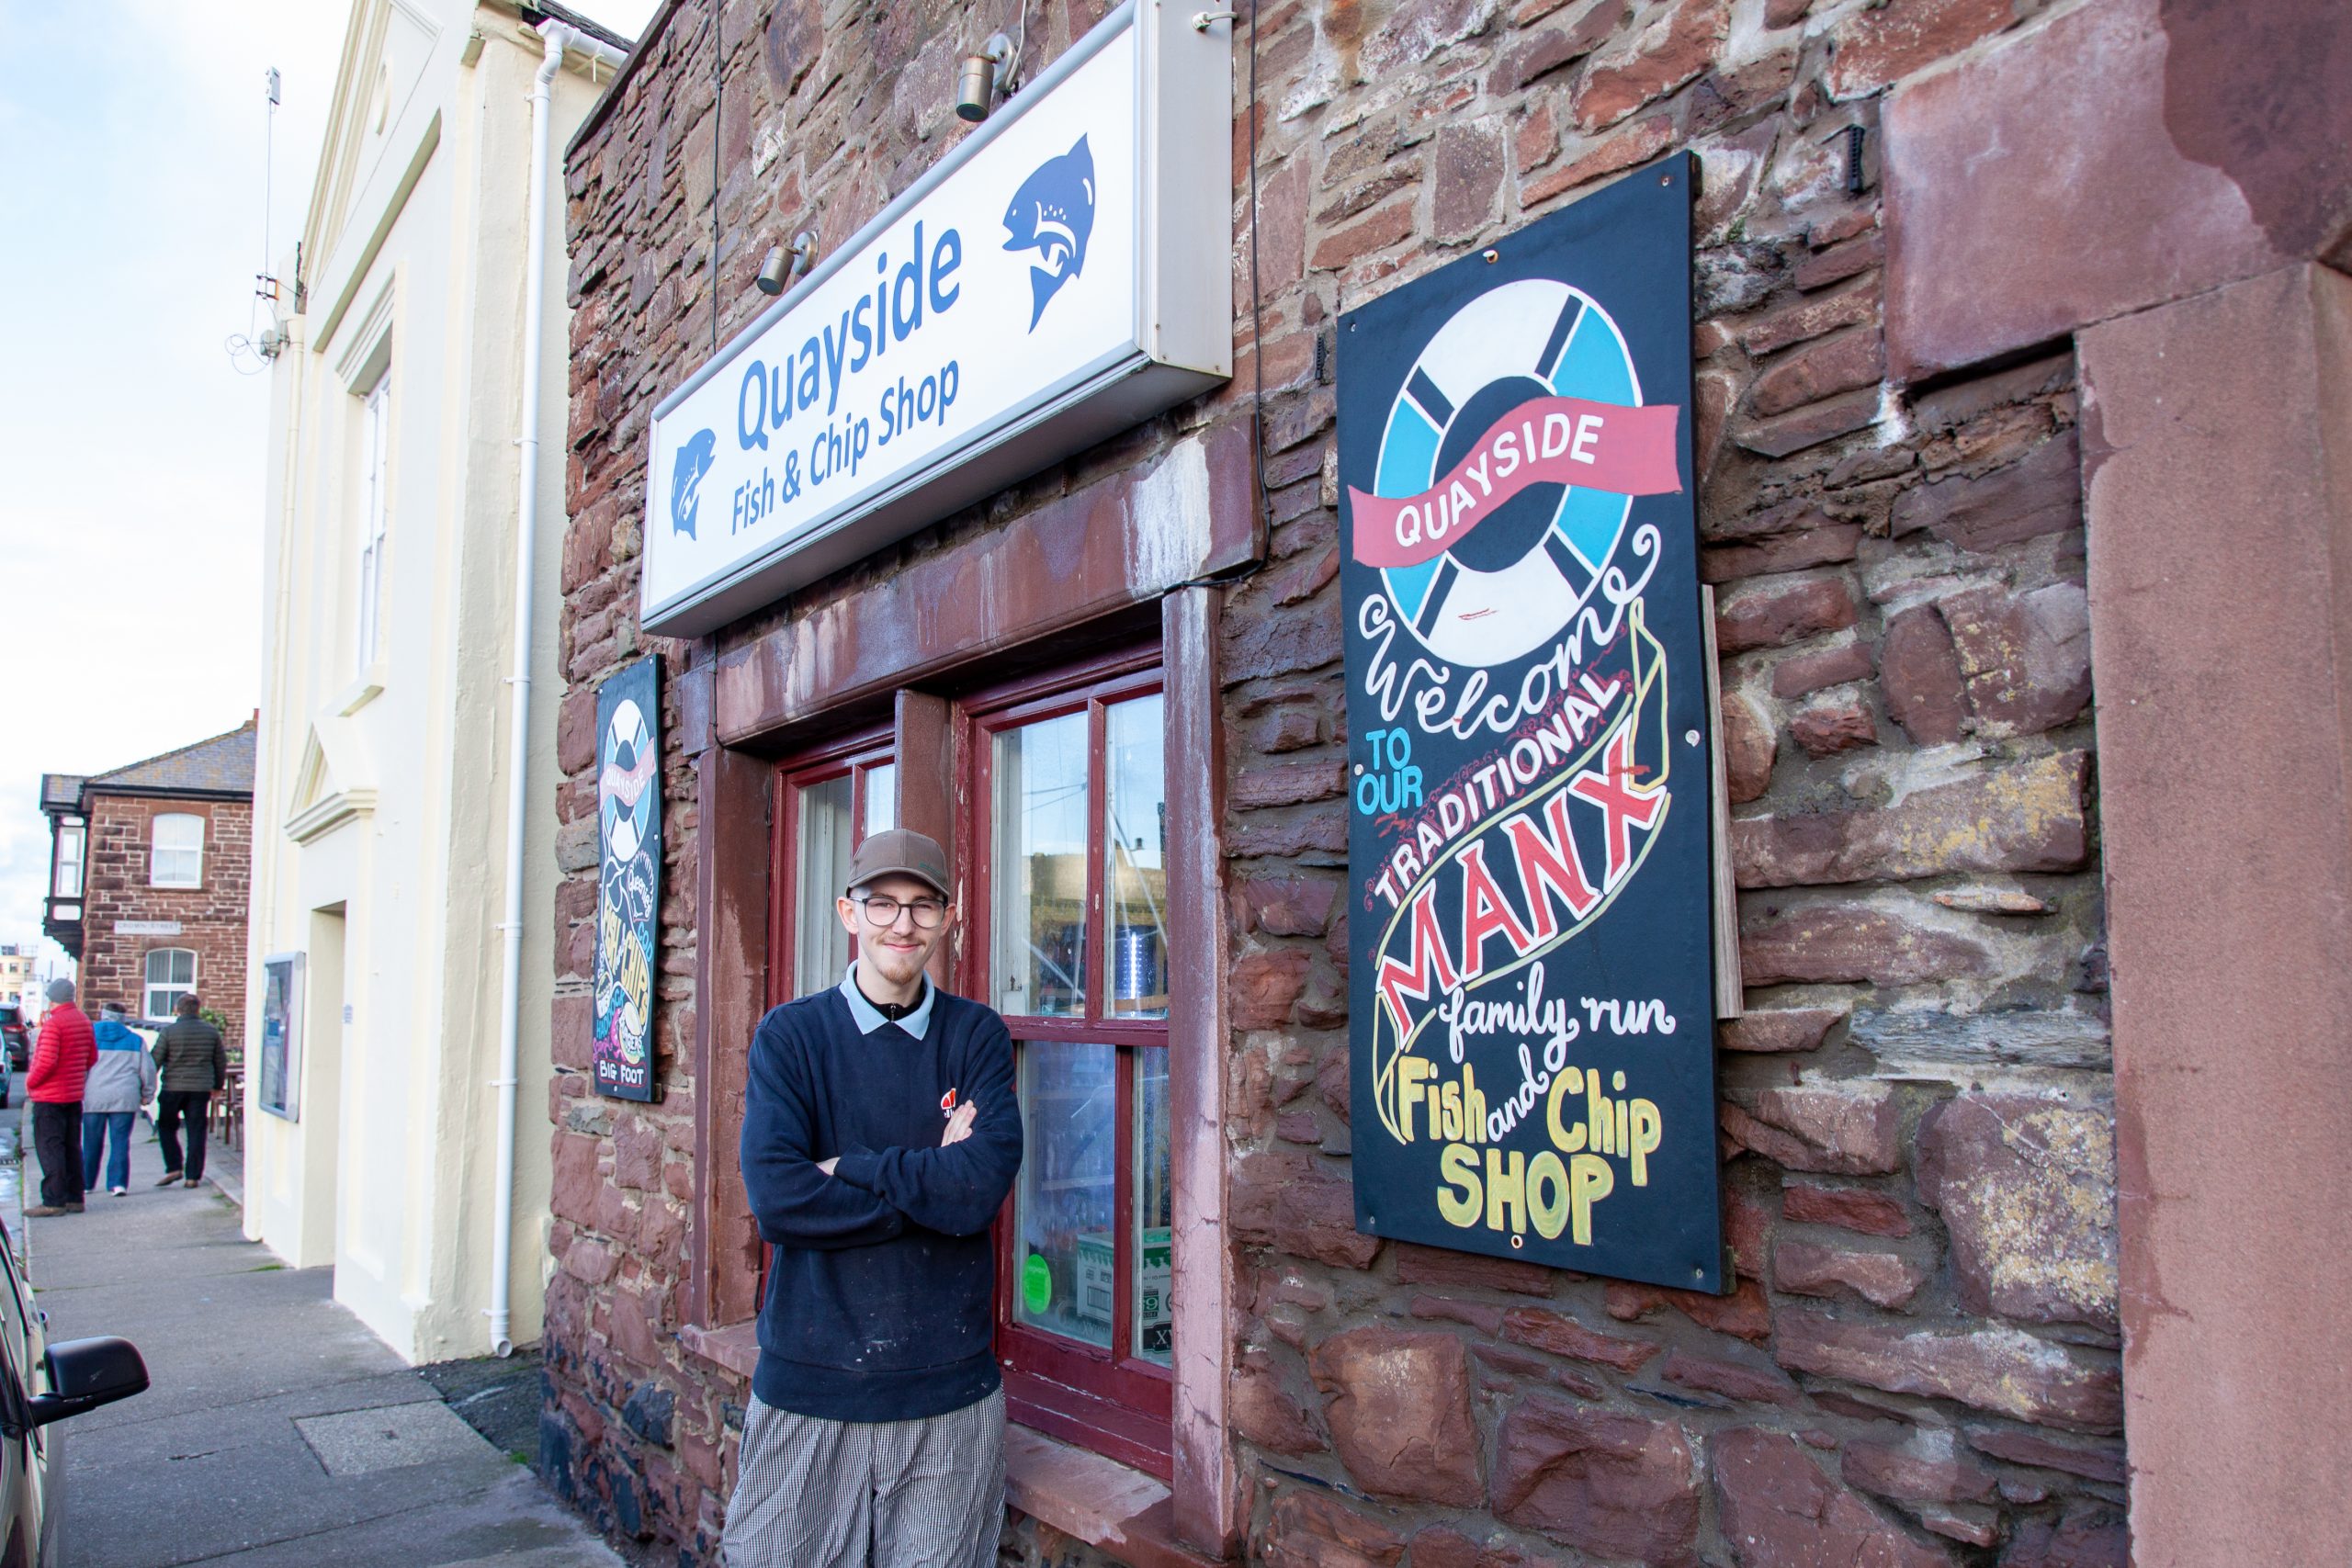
[[194, 1063], [120, 1081]]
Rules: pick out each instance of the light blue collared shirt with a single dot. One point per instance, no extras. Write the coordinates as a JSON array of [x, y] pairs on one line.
[[869, 1017]]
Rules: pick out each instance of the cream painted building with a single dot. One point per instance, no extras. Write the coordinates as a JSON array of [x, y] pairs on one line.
[[382, 806]]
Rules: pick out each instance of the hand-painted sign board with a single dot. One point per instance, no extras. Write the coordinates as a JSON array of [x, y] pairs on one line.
[[1531, 976], [629, 883], [1063, 273]]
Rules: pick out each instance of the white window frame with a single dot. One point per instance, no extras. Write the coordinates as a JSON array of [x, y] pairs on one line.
[[71, 839], [374, 453], [157, 849], [172, 989]]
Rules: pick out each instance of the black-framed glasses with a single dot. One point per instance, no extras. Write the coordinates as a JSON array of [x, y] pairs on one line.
[[882, 910]]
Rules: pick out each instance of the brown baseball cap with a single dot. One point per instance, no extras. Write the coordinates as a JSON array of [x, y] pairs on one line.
[[900, 852]]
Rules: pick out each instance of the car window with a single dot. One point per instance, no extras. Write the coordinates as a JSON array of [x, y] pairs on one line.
[[15, 1313]]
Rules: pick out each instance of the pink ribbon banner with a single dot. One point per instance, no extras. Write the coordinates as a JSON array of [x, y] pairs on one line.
[[1569, 441]]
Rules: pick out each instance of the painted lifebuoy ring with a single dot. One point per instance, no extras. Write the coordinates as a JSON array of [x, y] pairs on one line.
[[1509, 586]]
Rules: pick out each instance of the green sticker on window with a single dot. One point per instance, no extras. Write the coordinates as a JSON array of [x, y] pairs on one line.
[[1036, 1285]]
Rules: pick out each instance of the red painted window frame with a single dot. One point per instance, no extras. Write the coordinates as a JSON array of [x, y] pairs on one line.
[[1109, 1401], [853, 755]]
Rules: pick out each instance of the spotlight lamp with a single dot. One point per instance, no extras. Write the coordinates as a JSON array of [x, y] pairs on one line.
[[975, 84], [785, 263]]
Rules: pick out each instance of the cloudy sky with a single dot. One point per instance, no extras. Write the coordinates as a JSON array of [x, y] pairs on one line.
[[131, 439]]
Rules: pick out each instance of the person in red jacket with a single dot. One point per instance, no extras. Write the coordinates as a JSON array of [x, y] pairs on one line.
[[62, 1060]]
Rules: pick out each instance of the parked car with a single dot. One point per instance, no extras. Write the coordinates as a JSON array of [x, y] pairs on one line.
[[19, 1036], [42, 1383]]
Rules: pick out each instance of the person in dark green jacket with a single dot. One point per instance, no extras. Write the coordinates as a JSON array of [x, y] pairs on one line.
[[195, 1064]]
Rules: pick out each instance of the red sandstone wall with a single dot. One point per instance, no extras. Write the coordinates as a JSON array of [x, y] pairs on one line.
[[213, 918], [1918, 1366]]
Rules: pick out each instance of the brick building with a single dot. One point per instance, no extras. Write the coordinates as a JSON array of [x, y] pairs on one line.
[[150, 869], [2006, 316]]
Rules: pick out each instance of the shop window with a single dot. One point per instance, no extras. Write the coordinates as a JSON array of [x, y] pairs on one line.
[[171, 974], [1070, 944], [827, 804], [176, 858]]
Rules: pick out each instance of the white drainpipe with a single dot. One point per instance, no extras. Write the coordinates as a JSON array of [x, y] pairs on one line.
[[558, 37]]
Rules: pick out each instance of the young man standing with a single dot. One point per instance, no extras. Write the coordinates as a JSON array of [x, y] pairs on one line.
[[61, 1061], [881, 1133]]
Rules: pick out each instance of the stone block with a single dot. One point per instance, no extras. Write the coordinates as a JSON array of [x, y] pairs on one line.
[[1929, 1468], [1733, 1380], [1560, 1336], [1880, 45], [1918, 671], [1307, 1530], [2039, 493], [1617, 1486], [2162, 193], [2086, 1538], [1851, 1128], [1804, 673], [1822, 369], [1848, 1208], [1846, 943], [2005, 1371], [1838, 723], [1670, 51], [1744, 1313], [1263, 987], [1777, 1509], [1778, 1031], [1882, 1279], [1465, 177], [2026, 1189], [1773, 613], [1398, 1410], [1748, 742], [2025, 659], [2029, 817]]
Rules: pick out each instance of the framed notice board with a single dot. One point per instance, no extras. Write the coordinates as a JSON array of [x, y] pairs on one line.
[[1530, 791]]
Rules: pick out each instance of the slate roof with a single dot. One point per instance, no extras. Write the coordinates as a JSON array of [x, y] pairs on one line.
[[220, 765], [62, 792]]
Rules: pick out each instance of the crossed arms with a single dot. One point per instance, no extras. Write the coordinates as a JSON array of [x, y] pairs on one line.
[[861, 1196]]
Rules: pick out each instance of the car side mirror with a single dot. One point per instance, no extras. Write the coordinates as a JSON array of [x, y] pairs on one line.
[[86, 1374]]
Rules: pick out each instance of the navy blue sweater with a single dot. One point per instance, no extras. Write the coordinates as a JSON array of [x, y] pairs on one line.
[[881, 1295]]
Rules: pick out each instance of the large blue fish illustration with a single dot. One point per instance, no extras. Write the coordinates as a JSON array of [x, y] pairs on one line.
[[1052, 214], [686, 481]]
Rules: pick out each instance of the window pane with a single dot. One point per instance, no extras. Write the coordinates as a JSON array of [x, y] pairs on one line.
[[1155, 1209], [881, 799], [1039, 921], [1135, 857], [822, 862], [1064, 1278]]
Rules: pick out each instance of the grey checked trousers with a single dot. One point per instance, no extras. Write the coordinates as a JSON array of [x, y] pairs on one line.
[[816, 1494]]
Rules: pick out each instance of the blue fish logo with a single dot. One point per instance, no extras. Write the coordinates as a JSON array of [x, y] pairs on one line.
[[1052, 214], [686, 481]]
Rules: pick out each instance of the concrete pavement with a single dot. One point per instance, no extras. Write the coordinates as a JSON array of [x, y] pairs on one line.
[[277, 1431]]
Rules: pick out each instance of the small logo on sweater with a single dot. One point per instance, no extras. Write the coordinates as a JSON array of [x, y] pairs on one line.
[[948, 1103]]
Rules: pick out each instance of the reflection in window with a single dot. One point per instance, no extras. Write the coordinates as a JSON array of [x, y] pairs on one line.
[[1039, 922], [822, 950], [1066, 1273], [1154, 1204], [881, 799], [1135, 857]]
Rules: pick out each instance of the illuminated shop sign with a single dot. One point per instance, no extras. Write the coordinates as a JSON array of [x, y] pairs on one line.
[[1062, 274], [1531, 965]]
